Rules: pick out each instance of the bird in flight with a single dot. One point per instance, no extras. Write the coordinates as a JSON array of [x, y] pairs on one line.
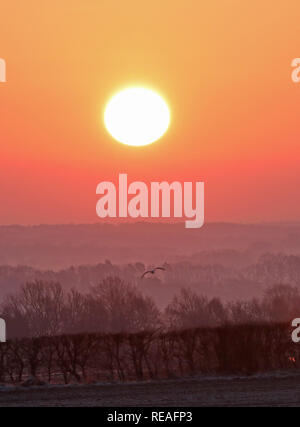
[[152, 271]]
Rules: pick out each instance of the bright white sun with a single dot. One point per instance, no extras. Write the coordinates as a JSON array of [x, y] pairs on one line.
[[137, 116]]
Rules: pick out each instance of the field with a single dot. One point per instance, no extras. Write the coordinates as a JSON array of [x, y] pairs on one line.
[[264, 390]]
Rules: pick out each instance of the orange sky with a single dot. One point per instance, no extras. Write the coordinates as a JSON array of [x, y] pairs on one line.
[[224, 67]]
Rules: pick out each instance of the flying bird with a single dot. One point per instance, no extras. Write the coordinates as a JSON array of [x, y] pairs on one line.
[[152, 271]]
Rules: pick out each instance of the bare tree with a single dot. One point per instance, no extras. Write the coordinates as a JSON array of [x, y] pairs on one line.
[[125, 307], [282, 303], [38, 305], [188, 310]]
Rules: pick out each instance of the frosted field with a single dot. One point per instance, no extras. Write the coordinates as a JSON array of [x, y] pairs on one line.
[[265, 390]]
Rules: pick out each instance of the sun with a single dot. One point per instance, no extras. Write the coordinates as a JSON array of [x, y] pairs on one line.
[[137, 116]]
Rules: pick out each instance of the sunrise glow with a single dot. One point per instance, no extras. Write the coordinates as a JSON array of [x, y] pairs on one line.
[[137, 116]]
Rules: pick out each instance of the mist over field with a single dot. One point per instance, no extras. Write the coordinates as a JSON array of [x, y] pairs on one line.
[[228, 261], [60, 246]]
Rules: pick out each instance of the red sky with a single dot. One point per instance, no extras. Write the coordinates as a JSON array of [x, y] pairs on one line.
[[223, 66]]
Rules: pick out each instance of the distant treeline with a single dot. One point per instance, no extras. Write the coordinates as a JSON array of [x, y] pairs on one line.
[[59, 246], [222, 274]]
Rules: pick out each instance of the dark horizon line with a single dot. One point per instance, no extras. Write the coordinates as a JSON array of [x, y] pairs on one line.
[[145, 222]]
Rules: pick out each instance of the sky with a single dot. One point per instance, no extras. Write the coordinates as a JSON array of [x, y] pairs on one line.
[[223, 66]]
